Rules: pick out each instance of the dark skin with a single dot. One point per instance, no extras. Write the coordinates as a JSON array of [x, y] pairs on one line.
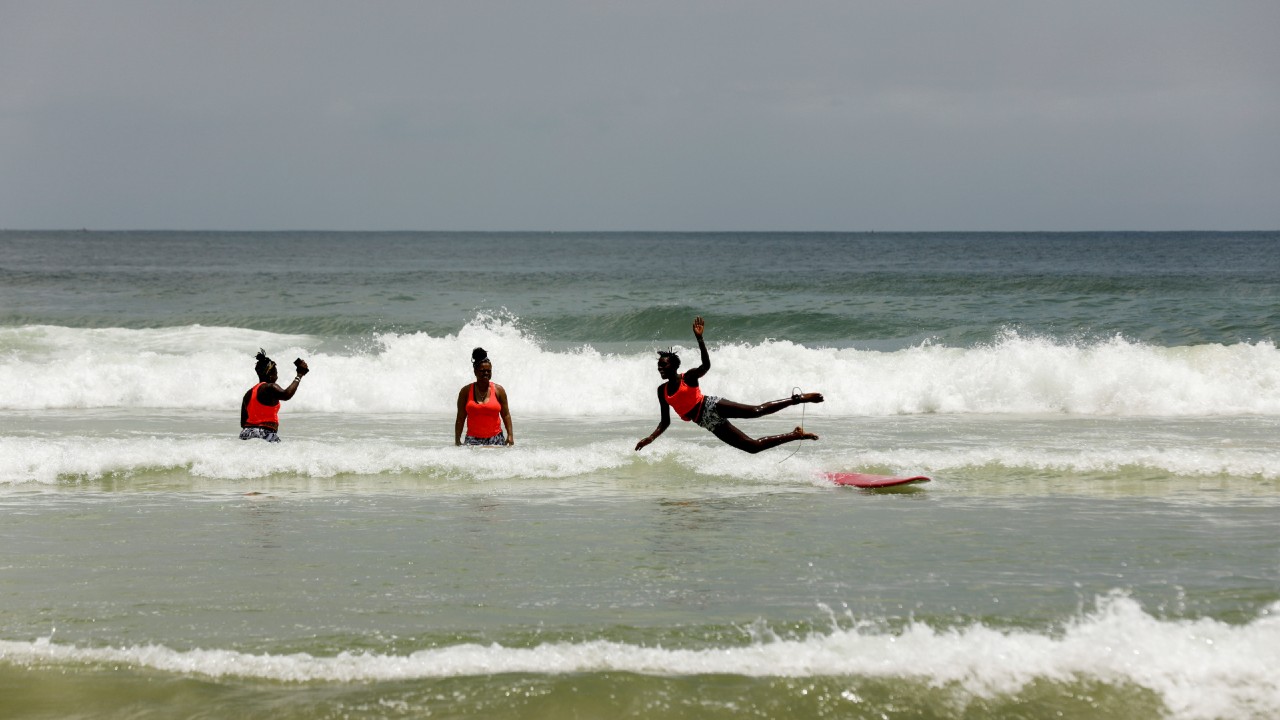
[[669, 369], [484, 376], [272, 393]]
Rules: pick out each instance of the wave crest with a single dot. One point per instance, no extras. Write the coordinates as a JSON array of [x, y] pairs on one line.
[[1200, 668], [196, 367]]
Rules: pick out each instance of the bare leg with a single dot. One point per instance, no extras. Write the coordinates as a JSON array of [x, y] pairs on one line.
[[731, 409], [736, 438]]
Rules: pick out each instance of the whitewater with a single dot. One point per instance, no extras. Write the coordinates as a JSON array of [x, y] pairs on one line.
[[1099, 414], [203, 368], [1201, 669]]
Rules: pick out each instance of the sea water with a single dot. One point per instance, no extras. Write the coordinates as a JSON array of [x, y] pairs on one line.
[[1098, 412]]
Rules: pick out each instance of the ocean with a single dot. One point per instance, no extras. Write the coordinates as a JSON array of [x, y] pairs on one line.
[[1098, 412]]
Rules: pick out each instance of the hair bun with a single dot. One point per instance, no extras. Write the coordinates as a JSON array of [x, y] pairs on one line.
[[263, 364], [479, 355]]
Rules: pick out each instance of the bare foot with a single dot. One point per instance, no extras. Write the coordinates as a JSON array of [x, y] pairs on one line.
[[801, 434], [807, 398]]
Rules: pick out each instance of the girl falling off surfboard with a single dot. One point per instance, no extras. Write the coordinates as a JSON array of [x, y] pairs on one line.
[[681, 392]]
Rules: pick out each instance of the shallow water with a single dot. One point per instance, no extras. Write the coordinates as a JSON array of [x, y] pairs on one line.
[[1099, 420]]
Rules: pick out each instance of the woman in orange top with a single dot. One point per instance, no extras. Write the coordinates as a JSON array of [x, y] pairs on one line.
[[482, 406], [681, 392], [260, 408]]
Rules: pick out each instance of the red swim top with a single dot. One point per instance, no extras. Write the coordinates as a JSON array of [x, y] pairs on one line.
[[484, 420], [685, 401], [260, 415]]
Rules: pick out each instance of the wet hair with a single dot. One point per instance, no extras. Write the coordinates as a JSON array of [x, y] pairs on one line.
[[264, 364], [478, 357], [671, 357]]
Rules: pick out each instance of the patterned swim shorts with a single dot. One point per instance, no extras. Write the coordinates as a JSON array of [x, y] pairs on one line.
[[259, 434], [710, 417], [499, 439]]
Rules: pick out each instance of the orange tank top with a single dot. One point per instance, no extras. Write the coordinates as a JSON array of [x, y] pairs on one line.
[[260, 415], [484, 420], [685, 401]]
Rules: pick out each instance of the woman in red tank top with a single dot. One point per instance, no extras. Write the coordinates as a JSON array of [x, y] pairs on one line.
[[260, 408], [482, 407], [682, 393]]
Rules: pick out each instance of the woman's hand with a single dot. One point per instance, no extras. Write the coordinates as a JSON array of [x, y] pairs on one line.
[[643, 442], [697, 326]]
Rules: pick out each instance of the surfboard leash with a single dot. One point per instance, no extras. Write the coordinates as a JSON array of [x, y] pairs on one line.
[[795, 390]]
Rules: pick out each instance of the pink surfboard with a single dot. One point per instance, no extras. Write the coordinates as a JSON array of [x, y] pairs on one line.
[[864, 480]]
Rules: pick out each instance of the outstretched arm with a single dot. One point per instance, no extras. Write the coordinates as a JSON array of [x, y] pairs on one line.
[[691, 377], [663, 424]]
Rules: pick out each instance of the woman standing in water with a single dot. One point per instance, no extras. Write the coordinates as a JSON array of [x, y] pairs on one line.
[[482, 406], [681, 391], [260, 408]]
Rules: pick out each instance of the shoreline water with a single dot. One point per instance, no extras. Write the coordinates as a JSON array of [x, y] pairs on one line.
[[1098, 411]]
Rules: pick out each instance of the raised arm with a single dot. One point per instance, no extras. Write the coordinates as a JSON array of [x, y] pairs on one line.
[[287, 393], [273, 393], [691, 376]]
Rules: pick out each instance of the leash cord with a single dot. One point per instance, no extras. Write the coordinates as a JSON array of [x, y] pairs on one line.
[[795, 391]]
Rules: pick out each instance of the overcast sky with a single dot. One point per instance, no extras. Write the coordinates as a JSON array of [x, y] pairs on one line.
[[647, 115]]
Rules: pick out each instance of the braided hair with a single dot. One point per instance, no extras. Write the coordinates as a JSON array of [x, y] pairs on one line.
[[264, 364]]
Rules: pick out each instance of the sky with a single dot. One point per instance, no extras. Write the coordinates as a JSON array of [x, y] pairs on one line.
[[563, 115]]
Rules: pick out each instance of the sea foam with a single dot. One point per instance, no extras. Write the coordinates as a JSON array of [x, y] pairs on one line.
[[687, 456], [1200, 668], [202, 368]]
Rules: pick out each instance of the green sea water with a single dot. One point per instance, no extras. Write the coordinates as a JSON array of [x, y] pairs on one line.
[[1098, 414]]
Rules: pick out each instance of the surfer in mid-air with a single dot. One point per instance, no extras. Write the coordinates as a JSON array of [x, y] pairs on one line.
[[681, 391]]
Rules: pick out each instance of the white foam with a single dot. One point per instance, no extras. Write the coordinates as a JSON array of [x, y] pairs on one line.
[[1200, 668], [210, 368], [1198, 461], [44, 460], [51, 459]]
